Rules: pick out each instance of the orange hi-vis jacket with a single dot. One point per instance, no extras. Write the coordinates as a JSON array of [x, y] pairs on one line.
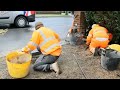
[[98, 33], [47, 40]]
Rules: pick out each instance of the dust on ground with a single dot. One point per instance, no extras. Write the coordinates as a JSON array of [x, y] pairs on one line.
[[3, 31], [75, 63]]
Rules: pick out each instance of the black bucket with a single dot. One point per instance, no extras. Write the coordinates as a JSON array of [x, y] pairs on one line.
[[110, 59]]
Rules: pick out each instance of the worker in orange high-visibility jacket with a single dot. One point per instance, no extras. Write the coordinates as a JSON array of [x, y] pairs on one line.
[[48, 43], [97, 38]]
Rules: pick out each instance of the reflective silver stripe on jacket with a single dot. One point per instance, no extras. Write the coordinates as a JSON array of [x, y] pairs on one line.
[[100, 31], [52, 46], [101, 39], [46, 40], [42, 34], [32, 43]]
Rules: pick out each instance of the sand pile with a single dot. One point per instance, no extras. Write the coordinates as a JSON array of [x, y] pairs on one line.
[[20, 59]]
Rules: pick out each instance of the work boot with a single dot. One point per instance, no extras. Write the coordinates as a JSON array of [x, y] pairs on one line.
[[96, 53], [55, 68]]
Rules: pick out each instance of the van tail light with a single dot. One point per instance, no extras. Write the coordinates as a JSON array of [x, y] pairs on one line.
[[33, 12]]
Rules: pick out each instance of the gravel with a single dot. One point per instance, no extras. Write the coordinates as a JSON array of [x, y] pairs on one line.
[[75, 63]]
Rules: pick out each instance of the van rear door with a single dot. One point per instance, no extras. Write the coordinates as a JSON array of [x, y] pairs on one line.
[[30, 15]]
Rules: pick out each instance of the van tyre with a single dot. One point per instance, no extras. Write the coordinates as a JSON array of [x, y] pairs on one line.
[[21, 22]]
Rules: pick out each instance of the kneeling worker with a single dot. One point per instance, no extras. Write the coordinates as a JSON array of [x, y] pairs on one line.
[[48, 43], [98, 37]]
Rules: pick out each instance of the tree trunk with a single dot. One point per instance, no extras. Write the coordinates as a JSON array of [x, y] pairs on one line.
[[79, 18]]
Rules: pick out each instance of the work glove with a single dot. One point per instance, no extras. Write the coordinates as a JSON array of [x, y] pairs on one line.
[[23, 50], [86, 47], [87, 43]]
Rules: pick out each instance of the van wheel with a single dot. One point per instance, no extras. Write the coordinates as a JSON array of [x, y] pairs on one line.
[[21, 21]]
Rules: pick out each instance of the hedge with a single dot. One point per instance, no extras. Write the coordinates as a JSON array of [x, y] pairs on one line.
[[111, 20]]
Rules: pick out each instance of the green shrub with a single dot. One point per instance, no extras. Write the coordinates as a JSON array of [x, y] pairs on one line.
[[111, 20]]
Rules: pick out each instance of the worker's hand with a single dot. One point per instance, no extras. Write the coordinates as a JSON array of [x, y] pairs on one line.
[[86, 47], [25, 52], [87, 43], [78, 30], [22, 50], [68, 35]]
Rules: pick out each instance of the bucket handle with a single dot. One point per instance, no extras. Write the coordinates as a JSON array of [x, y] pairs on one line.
[[103, 51]]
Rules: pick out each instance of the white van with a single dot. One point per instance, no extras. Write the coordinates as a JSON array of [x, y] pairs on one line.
[[18, 18]]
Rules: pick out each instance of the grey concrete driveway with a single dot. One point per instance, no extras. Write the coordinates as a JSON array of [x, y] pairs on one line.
[[17, 38]]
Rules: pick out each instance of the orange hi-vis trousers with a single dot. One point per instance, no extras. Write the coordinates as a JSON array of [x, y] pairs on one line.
[[98, 42]]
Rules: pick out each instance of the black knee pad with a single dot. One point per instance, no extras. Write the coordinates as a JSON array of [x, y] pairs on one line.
[[35, 68]]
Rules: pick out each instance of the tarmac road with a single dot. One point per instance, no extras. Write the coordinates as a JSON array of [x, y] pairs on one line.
[[16, 38]]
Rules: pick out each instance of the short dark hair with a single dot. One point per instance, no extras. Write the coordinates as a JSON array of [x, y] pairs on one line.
[[38, 25]]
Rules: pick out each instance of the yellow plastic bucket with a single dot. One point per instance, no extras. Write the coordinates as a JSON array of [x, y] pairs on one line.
[[114, 47], [18, 70]]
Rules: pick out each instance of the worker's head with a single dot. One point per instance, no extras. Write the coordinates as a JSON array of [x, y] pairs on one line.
[[38, 25], [95, 25]]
